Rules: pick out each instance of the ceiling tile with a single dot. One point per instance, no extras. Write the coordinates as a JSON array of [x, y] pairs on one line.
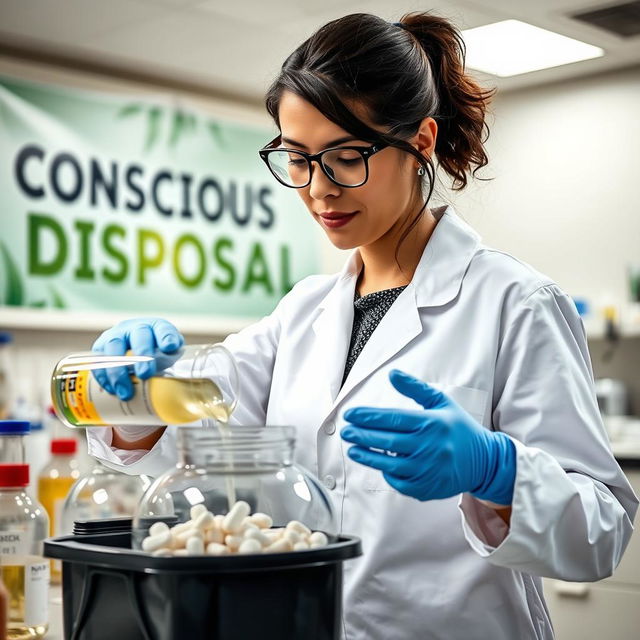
[[51, 21]]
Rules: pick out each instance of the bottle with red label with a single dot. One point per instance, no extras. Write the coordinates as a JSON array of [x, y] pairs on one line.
[[23, 526], [54, 483]]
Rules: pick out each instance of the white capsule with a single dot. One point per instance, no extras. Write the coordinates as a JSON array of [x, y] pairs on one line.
[[158, 527], [180, 553], [257, 534], [249, 545], [215, 549], [292, 536], [197, 510], [248, 527], [204, 520], [214, 535], [318, 539], [233, 542], [183, 536], [300, 528], [300, 546], [233, 520], [195, 546], [217, 521], [163, 552], [261, 520], [152, 543], [279, 546], [183, 526], [272, 534]]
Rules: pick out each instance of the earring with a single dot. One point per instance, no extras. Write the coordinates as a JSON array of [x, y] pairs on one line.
[[420, 170]]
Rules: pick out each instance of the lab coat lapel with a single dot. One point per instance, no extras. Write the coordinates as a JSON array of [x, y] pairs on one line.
[[436, 281], [333, 333], [399, 326]]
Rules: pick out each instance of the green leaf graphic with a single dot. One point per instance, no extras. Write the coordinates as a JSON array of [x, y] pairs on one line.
[[129, 110], [153, 126], [216, 133], [58, 302], [179, 124], [13, 294], [38, 305]]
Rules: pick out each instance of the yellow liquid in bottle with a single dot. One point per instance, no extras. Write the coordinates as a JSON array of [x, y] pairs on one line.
[[13, 577], [52, 492], [180, 401], [79, 398]]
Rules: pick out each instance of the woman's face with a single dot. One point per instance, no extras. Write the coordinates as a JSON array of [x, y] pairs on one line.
[[379, 207]]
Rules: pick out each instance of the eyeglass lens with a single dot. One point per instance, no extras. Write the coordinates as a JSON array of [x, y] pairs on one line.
[[346, 166]]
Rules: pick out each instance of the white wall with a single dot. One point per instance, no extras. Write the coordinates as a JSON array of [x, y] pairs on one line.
[[565, 198]]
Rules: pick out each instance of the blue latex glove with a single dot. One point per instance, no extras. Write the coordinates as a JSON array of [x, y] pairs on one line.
[[145, 337], [434, 453]]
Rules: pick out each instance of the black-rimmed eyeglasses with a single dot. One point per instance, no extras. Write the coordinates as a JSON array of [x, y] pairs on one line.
[[346, 166]]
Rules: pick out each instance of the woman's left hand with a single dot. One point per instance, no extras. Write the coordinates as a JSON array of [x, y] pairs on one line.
[[434, 453]]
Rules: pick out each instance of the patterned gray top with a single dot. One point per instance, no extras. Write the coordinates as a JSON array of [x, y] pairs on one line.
[[367, 313]]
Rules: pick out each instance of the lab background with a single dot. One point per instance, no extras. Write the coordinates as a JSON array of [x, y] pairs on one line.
[[562, 192]]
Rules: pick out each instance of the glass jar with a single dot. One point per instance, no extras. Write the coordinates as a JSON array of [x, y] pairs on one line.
[[102, 493], [12, 448], [252, 464], [25, 573], [197, 382]]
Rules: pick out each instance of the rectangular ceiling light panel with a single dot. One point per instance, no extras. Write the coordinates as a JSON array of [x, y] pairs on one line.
[[512, 47]]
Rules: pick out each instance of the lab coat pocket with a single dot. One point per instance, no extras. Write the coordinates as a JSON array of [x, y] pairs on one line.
[[472, 400]]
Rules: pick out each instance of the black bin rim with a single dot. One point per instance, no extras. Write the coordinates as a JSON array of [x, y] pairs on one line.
[[96, 550]]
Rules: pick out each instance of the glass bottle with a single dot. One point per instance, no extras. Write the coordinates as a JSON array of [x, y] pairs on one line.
[[197, 382], [12, 447], [54, 483], [102, 493], [23, 526], [38, 446], [216, 468]]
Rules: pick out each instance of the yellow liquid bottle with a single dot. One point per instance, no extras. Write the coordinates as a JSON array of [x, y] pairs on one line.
[[54, 484], [198, 382], [23, 570]]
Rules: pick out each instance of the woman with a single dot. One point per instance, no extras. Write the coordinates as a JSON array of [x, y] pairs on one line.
[[468, 368]]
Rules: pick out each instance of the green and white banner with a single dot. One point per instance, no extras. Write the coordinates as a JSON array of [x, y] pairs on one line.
[[125, 204]]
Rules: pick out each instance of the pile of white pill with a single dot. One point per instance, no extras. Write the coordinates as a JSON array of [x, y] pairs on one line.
[[237, 532]]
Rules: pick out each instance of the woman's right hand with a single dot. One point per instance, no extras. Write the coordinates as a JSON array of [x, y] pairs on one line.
[[143, 336]]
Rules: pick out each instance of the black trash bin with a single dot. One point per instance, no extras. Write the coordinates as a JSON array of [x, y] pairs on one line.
[[111, 592]]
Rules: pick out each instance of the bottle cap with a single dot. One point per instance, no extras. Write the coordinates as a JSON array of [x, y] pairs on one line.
[[14, 427], [14, 475], [64, 445]]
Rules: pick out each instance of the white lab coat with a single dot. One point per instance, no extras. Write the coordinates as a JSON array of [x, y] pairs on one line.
[[507, 344]]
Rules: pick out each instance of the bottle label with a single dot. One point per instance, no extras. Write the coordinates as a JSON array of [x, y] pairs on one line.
[[87, 403], [36, 589], [13, 543]]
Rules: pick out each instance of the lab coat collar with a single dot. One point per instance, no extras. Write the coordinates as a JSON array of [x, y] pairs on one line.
[[438, 276], [436, 281]]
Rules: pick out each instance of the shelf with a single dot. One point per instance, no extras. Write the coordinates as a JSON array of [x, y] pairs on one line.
[[99, 321]]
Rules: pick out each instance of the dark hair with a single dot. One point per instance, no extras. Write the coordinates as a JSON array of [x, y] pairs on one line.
[[401, 74]]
